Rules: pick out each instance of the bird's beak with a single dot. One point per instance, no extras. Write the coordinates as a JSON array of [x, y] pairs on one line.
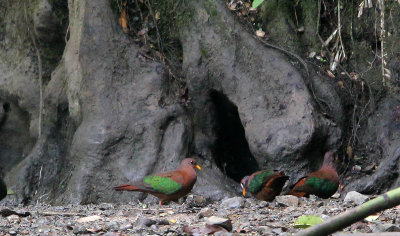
[[198, 167]]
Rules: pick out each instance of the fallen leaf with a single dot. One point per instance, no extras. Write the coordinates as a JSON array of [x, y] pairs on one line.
[[349, 151], [372, 217], [123, 21], [330, 74], [257, 3], [305, 221]]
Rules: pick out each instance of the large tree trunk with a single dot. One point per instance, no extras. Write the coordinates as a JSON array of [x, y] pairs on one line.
[[111, 114]]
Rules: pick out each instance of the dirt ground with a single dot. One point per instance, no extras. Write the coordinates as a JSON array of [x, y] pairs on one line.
[[247, 216]]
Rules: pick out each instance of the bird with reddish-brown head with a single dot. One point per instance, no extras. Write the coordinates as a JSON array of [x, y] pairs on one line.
[[264, 185], [167, 186], [322, 183]]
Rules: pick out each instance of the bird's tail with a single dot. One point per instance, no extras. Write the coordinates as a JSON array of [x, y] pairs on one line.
[[126, 187], [278, 180], [297, 189]]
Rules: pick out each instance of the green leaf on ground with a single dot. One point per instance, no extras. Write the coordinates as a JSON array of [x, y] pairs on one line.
[[10, 192], [256, 3], [307, 221]]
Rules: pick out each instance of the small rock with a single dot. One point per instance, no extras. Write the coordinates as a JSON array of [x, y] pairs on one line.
[[214, 220], [127, 226], [313, 198], [234, 202], [163, 222], [112, 225], [250, 202], [80, 230], [147, 222], [264, 230], [357, 168], [223, 212], [388, 228], [154, 227], [322, 211], [196, 201], [262, 204], [205, 212], [287, 200], [355, 197], [320, 204], [277, 231], [222, 233], [106, 206], [13, 219], [111, 234], [336, 195], [88, 219]]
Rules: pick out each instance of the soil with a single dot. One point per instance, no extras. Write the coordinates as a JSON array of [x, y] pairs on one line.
[[249, 217]]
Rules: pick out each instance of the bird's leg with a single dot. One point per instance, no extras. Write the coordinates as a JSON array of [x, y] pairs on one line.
[[160, 203]]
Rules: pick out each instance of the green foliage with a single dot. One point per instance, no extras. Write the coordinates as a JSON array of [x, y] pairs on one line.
[[256, 3], [305, 221], [10, 192], [258, 180], [162, 184]]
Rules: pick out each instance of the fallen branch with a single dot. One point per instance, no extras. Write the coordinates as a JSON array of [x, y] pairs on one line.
[[383, 202], [54, 213]]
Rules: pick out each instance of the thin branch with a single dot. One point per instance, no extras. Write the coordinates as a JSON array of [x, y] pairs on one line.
[[382, 36], [383, 202]]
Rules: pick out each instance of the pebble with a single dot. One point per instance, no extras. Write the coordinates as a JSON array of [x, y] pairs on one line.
[[388, 228], [234, 202], [80, 230], [250, 202], [263, 204], [277, 231], [287, 200], [214, 220], [355, 197], [112, 225], [163, 222], [196, 201], [205, 212], [264, 230], [147, 222], [222, 233]]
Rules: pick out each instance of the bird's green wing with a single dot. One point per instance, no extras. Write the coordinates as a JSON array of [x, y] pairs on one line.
[[320, 186], [259, 180], [161, 184]]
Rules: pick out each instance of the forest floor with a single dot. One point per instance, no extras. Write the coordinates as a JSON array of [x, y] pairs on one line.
[[246, 216]]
